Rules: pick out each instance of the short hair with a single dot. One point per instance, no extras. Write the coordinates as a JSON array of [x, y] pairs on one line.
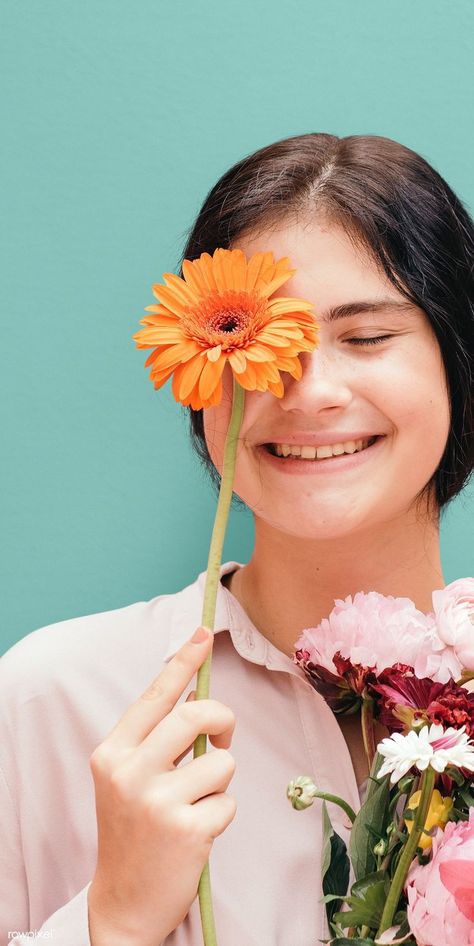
[[389, 199]]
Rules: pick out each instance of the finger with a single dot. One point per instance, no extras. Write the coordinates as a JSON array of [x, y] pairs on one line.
[[178, 731], [219, 740], [217, 811], [205, 775], [161, 696]]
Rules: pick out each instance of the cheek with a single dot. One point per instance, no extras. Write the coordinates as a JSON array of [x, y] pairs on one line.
[[418, 406]]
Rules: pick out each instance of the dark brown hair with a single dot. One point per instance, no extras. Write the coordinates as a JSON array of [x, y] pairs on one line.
[[388, 198]]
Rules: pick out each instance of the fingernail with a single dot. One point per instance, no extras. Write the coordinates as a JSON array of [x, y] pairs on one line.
[[200, 635]]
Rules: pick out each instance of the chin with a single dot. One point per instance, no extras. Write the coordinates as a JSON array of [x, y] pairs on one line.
[[317, 527]]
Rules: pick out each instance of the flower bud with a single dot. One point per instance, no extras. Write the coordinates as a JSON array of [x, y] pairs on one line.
[[301, 792]]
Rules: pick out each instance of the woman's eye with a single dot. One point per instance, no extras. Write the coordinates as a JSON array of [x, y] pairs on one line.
[[369, 341]]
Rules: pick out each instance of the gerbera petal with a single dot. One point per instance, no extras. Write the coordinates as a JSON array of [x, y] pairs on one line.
[[182, 291], [158, 335], [159, 310], [237, 360], [194, 277], [168, 295], [216, 397], [277, 340], [284, 323], [161, 379], [164, 320], [239, 269], [177, 378], [229, 269], [256, 352], [210, 377], [222, 269], [203, 269], [292, 365], [176, 354], [188, 376], [151, 358], [283, 305], [294, 332], [282, 274], [271, 372], [194, 400], [214, 353], [254, 269], [277, 388], [248, 378]]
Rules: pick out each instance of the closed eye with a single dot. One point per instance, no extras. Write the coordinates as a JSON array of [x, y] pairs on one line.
[[369, 341]]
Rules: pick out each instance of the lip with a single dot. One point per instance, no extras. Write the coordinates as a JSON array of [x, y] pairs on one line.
[[325, 438], [329, 465]]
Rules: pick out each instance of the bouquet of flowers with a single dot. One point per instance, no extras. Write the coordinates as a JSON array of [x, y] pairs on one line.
[[411, 848]]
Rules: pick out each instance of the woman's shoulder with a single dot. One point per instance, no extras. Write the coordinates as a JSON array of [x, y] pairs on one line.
[[79, 649], [119, 649]]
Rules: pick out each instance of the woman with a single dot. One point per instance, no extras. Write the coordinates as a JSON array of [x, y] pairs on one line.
[[384, 250]]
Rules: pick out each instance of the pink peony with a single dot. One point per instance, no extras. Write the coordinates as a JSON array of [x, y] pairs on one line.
[[441, 893], [362, 637], [454, 615]]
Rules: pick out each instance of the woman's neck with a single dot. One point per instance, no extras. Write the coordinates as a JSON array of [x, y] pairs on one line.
[[291, 583]]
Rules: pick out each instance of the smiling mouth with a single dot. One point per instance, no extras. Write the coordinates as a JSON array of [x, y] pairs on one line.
[[271, 448]]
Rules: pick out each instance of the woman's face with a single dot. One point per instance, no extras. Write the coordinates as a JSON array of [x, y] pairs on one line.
[[394, 390]]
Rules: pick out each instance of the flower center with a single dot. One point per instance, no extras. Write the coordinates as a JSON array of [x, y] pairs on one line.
[[227, 322], [229, 318]]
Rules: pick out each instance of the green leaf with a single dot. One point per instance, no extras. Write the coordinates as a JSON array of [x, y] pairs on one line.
[[466, 796], [366, 901], [335, 867], [344, 941], [372, 819], [328, 831]]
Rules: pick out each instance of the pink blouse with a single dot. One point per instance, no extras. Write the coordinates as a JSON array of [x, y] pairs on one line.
[[64, 687]]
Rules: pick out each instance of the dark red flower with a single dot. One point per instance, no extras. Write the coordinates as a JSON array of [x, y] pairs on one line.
[[402, 699], [342, 692]]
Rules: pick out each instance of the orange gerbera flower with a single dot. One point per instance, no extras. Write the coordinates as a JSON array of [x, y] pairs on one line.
[[221, 312]]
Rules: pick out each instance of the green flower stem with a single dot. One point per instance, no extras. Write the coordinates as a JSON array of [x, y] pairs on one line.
[[337, 801], [408, 853], [208, 617], [367, 724]]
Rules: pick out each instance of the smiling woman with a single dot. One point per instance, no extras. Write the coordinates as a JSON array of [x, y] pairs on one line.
[[391, 205], [346, 462]]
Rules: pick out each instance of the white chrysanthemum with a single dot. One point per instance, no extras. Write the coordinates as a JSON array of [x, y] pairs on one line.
[[431, 745]]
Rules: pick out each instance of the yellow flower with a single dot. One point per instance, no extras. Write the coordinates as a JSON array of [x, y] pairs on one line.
[[437, 816], [221, 312]]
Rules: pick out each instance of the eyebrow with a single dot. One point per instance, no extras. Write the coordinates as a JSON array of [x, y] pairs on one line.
[[370, 305]]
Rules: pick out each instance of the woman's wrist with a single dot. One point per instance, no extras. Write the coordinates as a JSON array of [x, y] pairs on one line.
[[105, 930]]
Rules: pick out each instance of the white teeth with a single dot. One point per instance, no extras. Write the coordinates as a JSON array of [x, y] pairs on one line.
[[312, 453], [322, 452]]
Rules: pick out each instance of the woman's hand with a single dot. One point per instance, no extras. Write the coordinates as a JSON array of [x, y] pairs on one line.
[[156, 823]]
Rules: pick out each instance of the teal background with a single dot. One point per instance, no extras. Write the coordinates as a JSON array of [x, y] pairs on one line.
[[119, 117]]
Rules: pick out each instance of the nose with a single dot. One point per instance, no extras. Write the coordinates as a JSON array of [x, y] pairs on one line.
[[324, 384]]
